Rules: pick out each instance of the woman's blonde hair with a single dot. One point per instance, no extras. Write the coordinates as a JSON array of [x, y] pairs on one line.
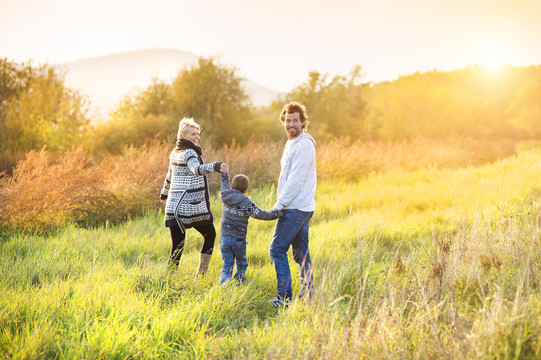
[[185, 125]]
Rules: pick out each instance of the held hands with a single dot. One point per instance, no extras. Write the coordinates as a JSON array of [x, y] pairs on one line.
[[224, 168]]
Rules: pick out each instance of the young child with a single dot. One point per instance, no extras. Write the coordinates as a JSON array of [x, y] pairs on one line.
[[236, 210]]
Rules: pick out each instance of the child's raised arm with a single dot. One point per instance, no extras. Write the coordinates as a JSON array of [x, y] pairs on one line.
[[225, 181]]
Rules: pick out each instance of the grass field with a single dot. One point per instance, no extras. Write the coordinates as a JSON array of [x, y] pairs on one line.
[[425, 264]]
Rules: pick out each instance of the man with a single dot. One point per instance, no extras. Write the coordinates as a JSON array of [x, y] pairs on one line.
[[296, 190]]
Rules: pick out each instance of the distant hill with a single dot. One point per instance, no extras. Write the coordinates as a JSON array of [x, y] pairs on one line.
[[106, 79]]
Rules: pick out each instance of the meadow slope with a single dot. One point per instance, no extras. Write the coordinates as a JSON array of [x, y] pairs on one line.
[[425, 263]]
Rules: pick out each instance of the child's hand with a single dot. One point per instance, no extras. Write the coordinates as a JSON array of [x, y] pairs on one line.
[[277, 212], [224, 168]]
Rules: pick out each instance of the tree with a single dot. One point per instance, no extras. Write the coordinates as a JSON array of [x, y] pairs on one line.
[[336, 107], [524, 113], [37, 109], [475, 102], [147, 114], [209, 92], [213, 95]]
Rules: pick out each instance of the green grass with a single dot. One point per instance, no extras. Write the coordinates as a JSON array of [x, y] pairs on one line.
[[424, 264]]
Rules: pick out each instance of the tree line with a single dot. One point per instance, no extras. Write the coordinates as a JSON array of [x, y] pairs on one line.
[[37, 108], [475, 102]]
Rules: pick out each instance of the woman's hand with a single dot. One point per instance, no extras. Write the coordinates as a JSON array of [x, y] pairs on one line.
[[163, 201], [224, 168]]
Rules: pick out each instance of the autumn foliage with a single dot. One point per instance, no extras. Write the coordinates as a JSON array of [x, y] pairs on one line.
[[47, 192]]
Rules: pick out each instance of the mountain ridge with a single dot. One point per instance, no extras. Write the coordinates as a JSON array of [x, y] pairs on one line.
[[108, 78]]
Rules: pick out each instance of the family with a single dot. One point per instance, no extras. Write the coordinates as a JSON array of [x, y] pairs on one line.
[[187, 205]]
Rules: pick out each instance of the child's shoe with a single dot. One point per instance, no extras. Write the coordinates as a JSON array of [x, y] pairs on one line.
[[280, 302]]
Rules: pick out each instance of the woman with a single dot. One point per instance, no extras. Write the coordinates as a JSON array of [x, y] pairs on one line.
[[186, 196]]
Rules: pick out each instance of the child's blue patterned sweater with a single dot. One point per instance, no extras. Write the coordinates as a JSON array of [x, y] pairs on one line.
[[237, 209]]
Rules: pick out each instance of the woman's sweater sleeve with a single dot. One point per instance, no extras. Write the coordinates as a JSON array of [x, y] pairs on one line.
[[201, 169], [166, 184]]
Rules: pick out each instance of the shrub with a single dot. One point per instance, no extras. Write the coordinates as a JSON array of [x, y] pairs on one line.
[[45, 193]]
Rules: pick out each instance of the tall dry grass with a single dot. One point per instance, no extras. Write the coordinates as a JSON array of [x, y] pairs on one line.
[[9, 159], [259, 160], [390, 283], [348, 161], [45, 192]]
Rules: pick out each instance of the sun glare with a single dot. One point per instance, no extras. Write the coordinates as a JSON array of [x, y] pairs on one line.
[[493, 62], [492, 56]]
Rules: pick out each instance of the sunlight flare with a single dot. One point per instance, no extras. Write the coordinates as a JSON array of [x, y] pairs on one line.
[[493, 62]]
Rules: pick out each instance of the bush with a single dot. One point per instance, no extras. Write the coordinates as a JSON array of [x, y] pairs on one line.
[[46, 193]]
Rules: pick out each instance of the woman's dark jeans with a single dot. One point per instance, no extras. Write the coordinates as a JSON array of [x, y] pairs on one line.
[[178, 237]]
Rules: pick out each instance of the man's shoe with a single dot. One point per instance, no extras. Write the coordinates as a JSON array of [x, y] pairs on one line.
[[280, 302], [305, 294]]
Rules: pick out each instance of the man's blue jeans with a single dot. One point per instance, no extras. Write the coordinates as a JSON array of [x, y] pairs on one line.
[[233, 250], [292, 230]]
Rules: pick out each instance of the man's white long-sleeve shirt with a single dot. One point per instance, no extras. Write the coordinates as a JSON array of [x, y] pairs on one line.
[[298, 179]]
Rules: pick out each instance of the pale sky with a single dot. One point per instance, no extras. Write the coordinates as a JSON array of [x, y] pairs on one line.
[[276, 43]]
